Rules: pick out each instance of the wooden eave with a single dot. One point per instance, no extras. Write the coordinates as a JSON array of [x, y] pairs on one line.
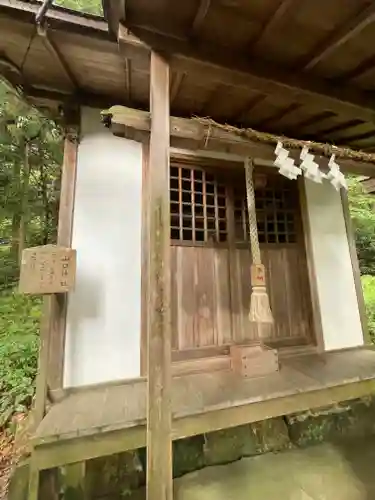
[[71, 58], [75, 57], [205, 135], [281, 66]]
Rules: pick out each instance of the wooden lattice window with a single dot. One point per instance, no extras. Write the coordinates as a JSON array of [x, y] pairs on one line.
[[276, 209], [198, 206]]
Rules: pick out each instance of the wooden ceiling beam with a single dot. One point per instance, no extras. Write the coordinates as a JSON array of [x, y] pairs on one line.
[[363, 143], [217, 64], [128, 83], [54, 50], [200, 16], [55, 97], [244, 114], [114, 12], [271, 23], [308, 125], [359, 137], [362, 68], [176, 83], [191, 134], [341, 127], [339, 37], [276, 117]]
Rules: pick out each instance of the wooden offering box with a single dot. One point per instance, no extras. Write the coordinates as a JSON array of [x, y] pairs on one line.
[[253, 360]]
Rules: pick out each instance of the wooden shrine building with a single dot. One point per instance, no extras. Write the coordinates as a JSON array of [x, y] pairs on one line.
[[164, 103]]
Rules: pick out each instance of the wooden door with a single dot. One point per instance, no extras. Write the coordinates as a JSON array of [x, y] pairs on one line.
[[201, 302], [211, 262], [283, 254]]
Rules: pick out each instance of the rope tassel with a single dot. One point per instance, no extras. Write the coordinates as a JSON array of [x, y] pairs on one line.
[[260, 310]]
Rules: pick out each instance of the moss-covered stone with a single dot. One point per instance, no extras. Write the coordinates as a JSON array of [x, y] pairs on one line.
[[19, 481], [342, 421], [271, 435], [122, 476], [131, 474], [229, 445], [188, 455], [114, 475]]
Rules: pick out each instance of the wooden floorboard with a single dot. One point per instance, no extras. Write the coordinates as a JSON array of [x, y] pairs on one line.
[[205, 402]]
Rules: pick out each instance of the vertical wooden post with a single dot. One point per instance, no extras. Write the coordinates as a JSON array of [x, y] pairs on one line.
[[145, 255], [52, 344], [64, 238], [159, 444], [52, 338], [355, 266]]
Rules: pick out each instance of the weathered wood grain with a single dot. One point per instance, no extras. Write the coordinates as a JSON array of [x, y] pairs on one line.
[[74, 429], [159, 444]]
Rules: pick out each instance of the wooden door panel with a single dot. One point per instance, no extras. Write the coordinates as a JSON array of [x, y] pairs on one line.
[[201, 312], [287, 282]]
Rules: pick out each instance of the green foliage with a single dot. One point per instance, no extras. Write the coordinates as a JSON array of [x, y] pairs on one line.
[[30, 165], [362, 210], [19, 324], [87, 6], [368, 284], [9, 269]]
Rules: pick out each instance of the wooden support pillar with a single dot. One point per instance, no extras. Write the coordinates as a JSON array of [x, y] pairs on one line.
[[159, 443], [52, 344], [64, 238], [52, 337]]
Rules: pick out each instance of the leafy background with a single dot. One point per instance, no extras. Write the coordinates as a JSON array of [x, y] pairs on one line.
[[30, 159]]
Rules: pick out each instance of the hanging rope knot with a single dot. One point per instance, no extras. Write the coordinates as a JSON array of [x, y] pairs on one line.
[[260, 310]]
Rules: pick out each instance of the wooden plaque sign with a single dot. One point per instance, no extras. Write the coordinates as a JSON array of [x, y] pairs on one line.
[[258, 275], [47, 269]]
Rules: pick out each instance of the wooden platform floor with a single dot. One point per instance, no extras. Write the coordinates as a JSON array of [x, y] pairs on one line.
[[111, 418]]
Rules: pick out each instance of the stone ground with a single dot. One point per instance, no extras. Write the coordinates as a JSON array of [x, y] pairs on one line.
[[320, 472]]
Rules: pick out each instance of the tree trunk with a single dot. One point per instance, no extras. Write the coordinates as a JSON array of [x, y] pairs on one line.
[[24, 202], [46, 207], [16, 217]]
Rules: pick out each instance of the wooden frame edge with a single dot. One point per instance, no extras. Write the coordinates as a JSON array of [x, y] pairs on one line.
[[145, 256], [121, 440], [52, 331], [159, 484], [315, 303]]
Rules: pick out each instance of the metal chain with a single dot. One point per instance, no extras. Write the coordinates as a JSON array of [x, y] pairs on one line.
[[253, 227]]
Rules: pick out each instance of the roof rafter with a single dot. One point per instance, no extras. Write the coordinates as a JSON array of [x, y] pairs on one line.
[[278, 115], [217, 64], [305, 125], [201, 14], [339, 37], [270, 24], [250, 105], [176, 83], [54, 50], [362, 68], [341, 127]]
